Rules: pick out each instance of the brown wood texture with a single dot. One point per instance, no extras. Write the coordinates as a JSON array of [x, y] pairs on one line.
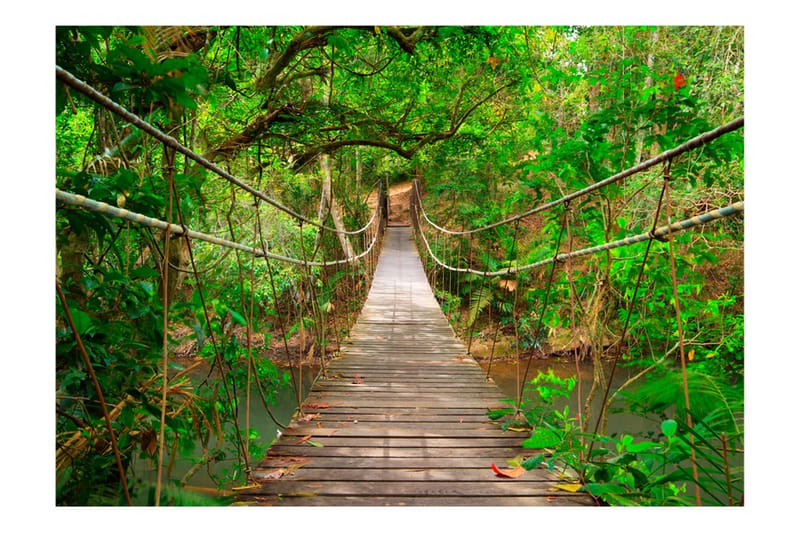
[[400, 419]]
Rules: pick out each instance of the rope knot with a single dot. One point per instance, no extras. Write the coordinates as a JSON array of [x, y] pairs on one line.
[[653, 235]]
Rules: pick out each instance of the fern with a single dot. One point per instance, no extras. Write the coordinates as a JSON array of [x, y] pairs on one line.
[[478, 300]]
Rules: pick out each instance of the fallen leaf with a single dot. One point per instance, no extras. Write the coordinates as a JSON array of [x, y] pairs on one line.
[[303, 439], [317, 444], [569, 487], [275, 474], [315, 405], [515, 472], [309, 417], [253, 486]]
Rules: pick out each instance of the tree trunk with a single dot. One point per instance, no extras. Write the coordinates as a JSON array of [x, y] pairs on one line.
[[328, 203]]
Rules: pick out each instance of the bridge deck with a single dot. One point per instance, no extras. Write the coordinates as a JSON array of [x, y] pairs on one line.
[[401, 418]]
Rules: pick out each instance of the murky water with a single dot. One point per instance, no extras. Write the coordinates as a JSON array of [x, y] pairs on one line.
[[508, 374], [260, 421]]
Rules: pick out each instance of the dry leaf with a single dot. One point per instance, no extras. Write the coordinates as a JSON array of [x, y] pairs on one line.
[[253, 486], [303, 439], [508, 284], [315, 405], [275, 474], [569, 487], [515, 472]]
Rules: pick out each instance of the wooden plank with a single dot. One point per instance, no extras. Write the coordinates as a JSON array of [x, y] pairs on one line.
[[400, 416], [359, 431], [410, 442], [306, 450], [553, 500], [272, 462], [370, 489], [419, 474]]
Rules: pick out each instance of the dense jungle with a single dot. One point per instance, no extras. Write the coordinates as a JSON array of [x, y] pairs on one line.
[[178, 361]]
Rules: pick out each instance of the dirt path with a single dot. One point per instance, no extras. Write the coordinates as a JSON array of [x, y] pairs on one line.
[[399, 195]]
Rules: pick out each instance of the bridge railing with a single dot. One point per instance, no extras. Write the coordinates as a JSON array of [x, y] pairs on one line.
[[326, 286], [488, 268], [452, 253]]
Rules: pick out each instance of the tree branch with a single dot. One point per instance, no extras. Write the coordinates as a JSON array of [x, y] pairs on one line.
[[311, 37]]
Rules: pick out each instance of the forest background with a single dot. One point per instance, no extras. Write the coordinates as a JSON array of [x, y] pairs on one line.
[[770, 86]]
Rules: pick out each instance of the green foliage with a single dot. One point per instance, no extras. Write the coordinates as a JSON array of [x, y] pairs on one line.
[[494, 120], [655, 470]]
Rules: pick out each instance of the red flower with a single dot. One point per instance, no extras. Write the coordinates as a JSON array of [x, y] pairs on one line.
[[680, 81]]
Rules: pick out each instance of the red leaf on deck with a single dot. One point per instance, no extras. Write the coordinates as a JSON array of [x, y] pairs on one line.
[[315, 405], [303, 439], [515, 472]]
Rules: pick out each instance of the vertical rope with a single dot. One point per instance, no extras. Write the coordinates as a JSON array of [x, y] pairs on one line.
[[568, 211], [218, 359], [248, 326], [112, 437], [676, 297], [466, 326], [538, 329], [170, 169], [281, 323], [319, 329], [250, 362], [619, 343], [515, 254], [496, 326]]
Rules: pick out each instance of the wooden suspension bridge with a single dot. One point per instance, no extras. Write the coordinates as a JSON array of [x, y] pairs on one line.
[[400, 418]]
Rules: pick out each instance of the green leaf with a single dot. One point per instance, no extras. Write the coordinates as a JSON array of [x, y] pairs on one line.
[[542, 438], [237, 317], [533, 462], [638, 447], [669, 427], [497, 414], [83, 322], [599, 489]]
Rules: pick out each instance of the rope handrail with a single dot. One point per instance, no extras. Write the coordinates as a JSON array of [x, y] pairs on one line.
[[104, 208], [659, 233], [69, 79], [691, 144]]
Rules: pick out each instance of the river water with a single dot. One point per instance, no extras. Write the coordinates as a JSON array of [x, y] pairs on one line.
[[504, 374], [203, 481]]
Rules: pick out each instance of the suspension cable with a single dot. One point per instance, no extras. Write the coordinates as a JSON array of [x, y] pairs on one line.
[[658, 234], [667, 155], [101, 207], [69, 79]]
